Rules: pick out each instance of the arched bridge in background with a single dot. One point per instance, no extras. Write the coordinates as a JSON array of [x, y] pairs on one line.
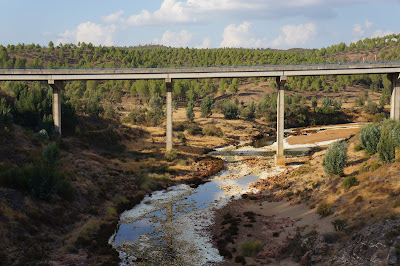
[[57, 77]]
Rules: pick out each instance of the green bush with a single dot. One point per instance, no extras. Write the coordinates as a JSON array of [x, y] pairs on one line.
[[194, 129], [374, 166], [15, 178], [249, 112], [349, 182], [335, 158], [136, 116], [170, 155], [6, 117], [385, 147], [396, 134], [41, 180], [251, 248], [372, 108], [65, 190], [230, 110], [358, 147], [31, 105], [369, 137], [339, 225], [212, 130], [324, 209]]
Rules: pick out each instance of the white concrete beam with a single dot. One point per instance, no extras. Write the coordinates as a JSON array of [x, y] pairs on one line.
[[168, 82], [57, 86]]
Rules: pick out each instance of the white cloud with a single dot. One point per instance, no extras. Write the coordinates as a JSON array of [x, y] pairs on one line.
[[381, 33], [114, 17], [170, 11], [89, 32], [206, 44], [359, 30], [175, 39], [295, 35], [194, 11], [240, 36]]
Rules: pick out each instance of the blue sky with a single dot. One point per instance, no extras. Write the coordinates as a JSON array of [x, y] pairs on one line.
[[278, 24]]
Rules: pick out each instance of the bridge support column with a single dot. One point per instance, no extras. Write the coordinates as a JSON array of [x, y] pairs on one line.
[[280, 126], [395, 100], [168, 82], [57, 86]]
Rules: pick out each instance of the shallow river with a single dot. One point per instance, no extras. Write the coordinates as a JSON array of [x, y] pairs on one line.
[[168, 227]]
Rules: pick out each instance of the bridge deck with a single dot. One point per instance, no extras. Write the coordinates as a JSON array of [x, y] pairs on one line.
[[198, 72]]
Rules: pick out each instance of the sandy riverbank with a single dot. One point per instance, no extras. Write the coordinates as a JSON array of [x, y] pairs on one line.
[[272, 219], [331, 133]]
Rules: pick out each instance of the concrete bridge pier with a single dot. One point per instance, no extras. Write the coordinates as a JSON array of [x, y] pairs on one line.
[[395, 100], [168, 82], [280, 125], [57, 86]]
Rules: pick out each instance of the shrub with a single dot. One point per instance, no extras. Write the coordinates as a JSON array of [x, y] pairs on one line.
[[230, 110], [194, 130], [378, 117], [14, 178], [358, 147], [250, 111], [112, 213], [374, 166], [324, 209], [170, 155], [65, 190], [6, 118], [369, 137], [385, 147], [350, 181], [136, 116], [43, 134], [339, 225], [250, 248], [212, 130], [326, 102], [31, 105], [372, 108], [396, 134], [335, 158]]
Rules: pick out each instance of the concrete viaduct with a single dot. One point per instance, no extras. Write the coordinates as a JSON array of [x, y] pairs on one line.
[[56, 78]]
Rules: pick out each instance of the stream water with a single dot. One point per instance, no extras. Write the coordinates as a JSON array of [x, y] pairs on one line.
[[168, 227]]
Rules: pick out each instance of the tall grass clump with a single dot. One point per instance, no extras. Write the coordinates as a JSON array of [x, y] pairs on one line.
[[369, 137], [335, 158], [251, 248]]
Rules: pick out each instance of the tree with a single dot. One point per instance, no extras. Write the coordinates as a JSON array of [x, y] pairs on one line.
[[189, 111], [6, 118], [335, 158], [369, 138], [385, 147], [156, 113], [206, 106], [230, 110], [249, 112], [314, 102], [326, 102]]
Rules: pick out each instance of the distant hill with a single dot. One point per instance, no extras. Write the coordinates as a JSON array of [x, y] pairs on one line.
[[89, 56]]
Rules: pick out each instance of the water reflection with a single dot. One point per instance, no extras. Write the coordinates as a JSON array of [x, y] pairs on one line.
[[149, 231]]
